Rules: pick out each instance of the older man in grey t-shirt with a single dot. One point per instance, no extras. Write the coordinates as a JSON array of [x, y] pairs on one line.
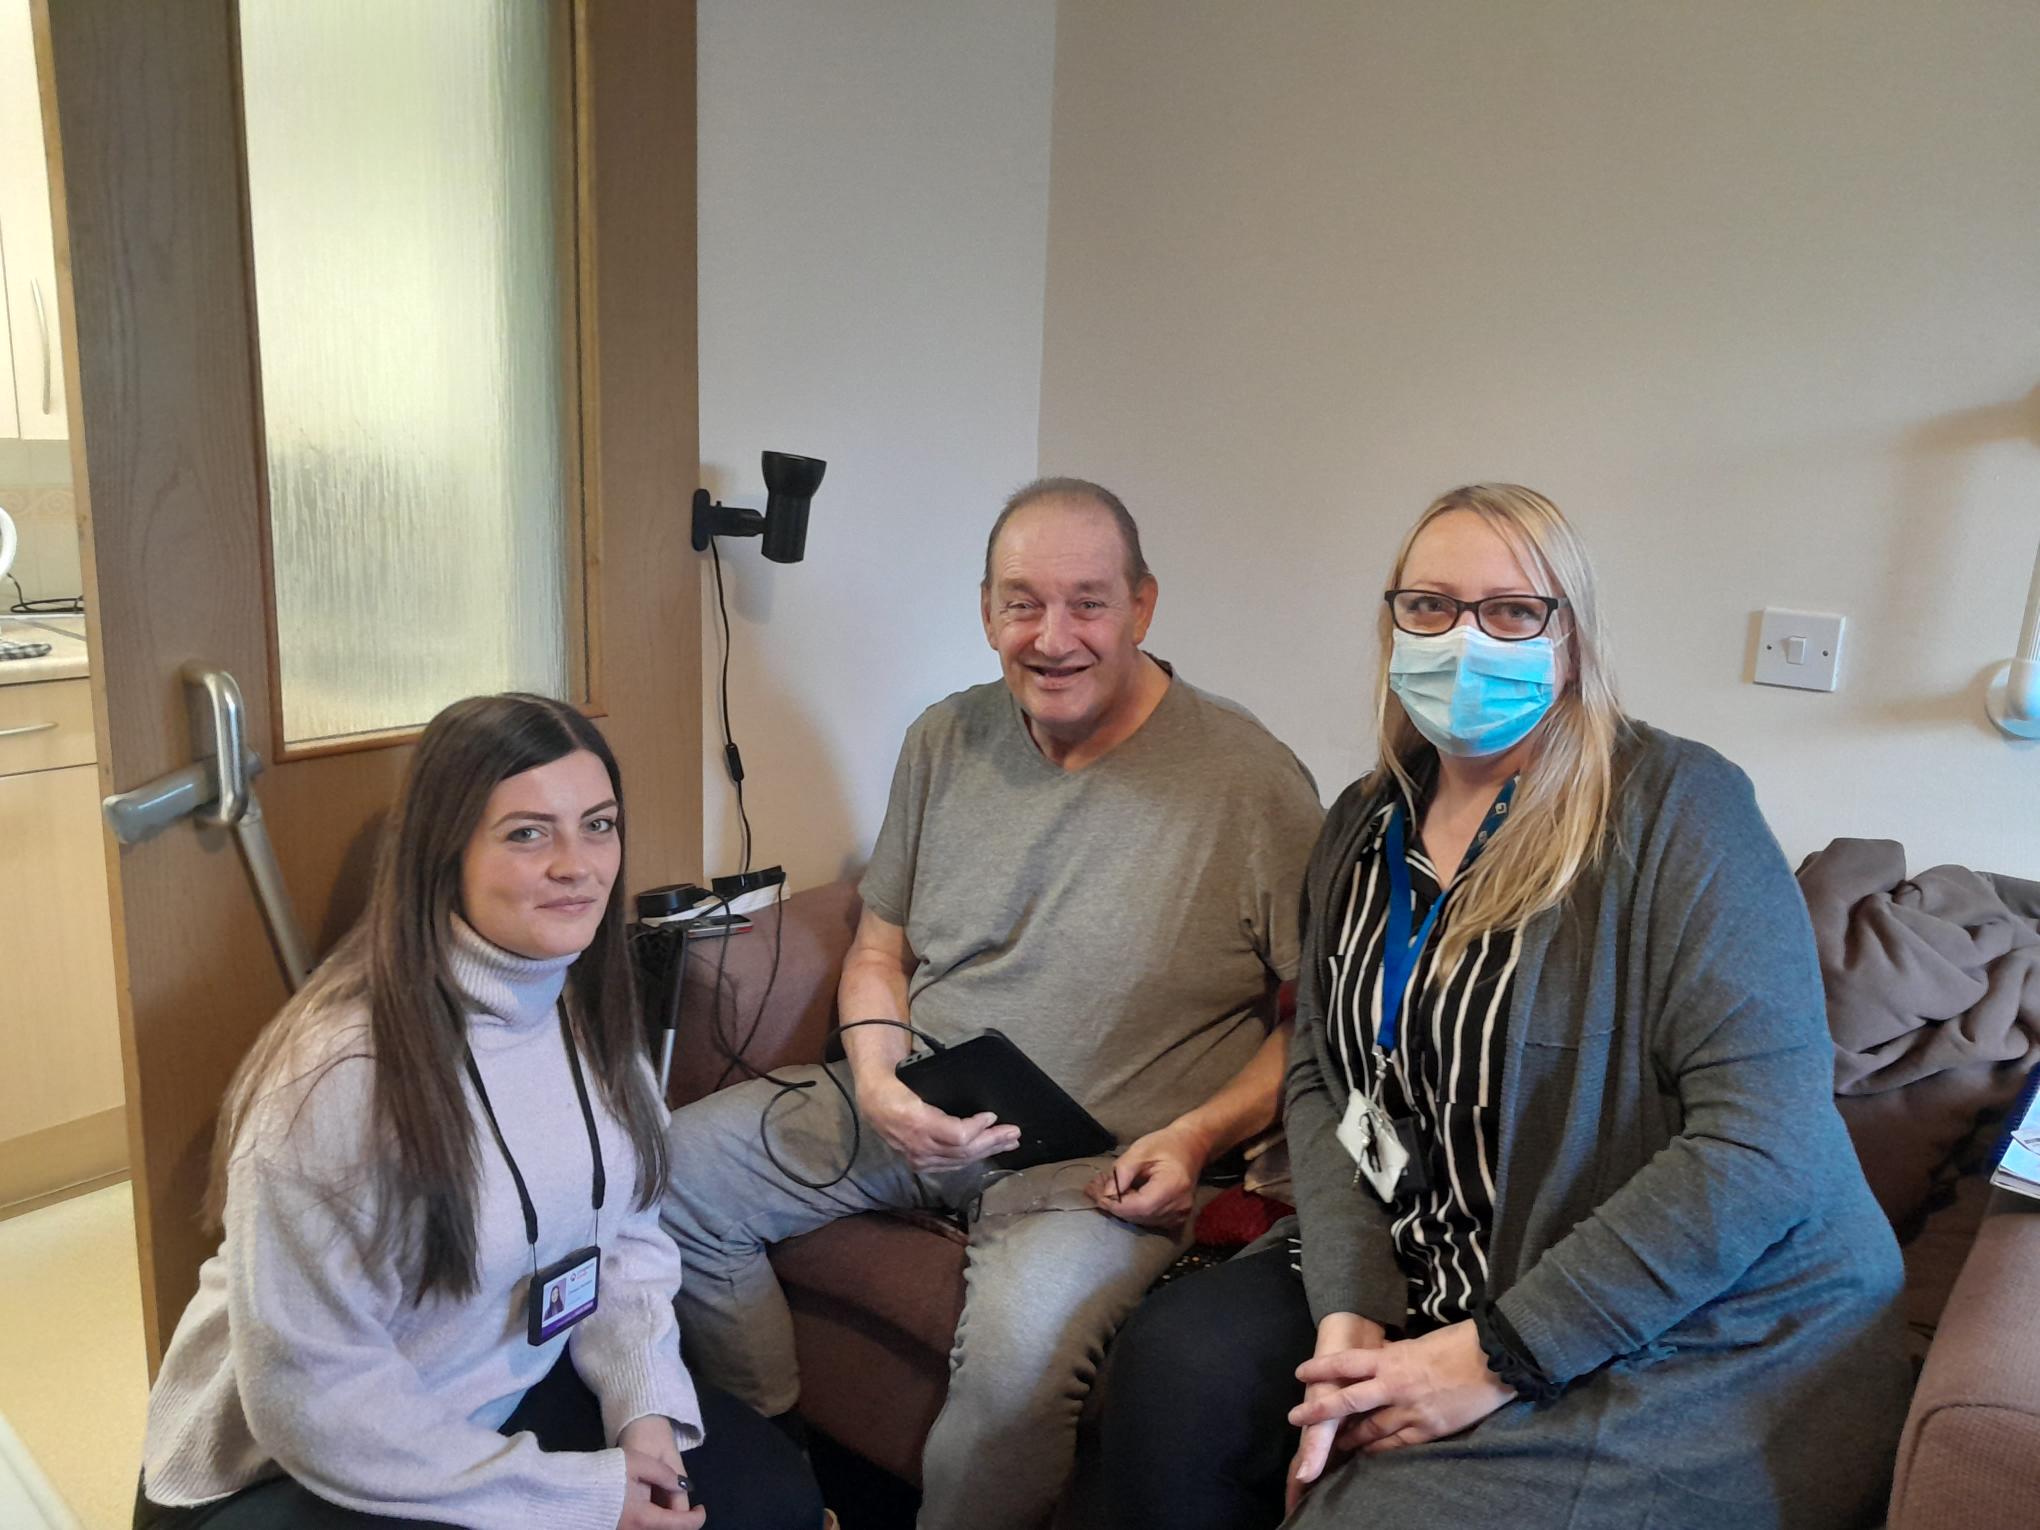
[[1103, 862]]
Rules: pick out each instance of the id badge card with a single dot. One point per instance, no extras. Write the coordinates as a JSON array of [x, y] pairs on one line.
[[1368, 1134], [563, 1293]]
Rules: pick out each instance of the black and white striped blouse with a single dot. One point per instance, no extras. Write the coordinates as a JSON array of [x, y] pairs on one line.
[[1446, 1070]]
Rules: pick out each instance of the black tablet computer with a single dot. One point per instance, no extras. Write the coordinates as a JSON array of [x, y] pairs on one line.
[[988, 1072]]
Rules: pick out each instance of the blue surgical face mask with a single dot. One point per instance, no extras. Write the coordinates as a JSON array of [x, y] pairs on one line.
[[1471, 694]]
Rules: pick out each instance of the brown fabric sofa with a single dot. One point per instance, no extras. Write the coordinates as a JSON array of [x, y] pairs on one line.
[[875, 1298], [1933, 988], [1970, 1455]]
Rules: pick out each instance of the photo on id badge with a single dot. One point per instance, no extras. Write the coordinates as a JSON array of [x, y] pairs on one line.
[[563, 1294]]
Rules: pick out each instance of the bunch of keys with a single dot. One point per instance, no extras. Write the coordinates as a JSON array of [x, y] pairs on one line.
[[1383, 1148]]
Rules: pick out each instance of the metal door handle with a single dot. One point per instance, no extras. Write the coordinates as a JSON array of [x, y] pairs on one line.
[[42, 324], [215, 790], [223, 707], [26, 728]]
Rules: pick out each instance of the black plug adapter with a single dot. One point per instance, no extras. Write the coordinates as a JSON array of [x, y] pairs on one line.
[[666, 902], [741, 882]]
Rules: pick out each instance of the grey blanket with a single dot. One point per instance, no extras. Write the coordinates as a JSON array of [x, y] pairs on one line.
[[1926, 973], [1933, 996]]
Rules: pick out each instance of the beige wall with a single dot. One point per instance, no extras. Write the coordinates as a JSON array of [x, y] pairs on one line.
[[35, 489], [874, 210], [1752, 289]]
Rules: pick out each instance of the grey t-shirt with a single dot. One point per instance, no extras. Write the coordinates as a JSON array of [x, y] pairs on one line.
[[1126, 923]]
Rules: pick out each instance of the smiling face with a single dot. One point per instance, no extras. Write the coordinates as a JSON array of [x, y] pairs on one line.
[[1065, 622], [536, 874]]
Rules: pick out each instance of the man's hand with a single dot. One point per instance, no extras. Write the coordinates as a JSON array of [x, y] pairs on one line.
[[1403, 1393], [653, 1467], [929, 1139], [1154, 1182], [1157, 1177], [874, 987], [1340, 1331]]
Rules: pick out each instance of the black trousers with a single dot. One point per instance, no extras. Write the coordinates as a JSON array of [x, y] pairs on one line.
[[747, 1473], [1194, 1433]]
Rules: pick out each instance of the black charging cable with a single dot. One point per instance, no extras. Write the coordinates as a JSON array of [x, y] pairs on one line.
[[734, 1058], [789, 1086], [733, 761], [44, 605]]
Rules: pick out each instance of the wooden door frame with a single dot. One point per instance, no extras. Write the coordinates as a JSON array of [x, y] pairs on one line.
[[153, 264]]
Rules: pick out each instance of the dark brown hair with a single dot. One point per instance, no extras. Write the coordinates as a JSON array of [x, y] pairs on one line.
[[394, 964], [1075, 488]]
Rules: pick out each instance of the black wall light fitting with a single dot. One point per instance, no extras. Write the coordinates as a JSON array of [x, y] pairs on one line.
[[790, 483]]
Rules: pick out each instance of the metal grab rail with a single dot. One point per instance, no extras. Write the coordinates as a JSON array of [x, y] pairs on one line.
[[215, 789]]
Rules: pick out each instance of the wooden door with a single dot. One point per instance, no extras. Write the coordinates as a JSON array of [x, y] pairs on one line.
[[150, 191]]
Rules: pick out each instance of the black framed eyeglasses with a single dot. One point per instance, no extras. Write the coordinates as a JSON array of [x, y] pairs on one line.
[[1506, 618]]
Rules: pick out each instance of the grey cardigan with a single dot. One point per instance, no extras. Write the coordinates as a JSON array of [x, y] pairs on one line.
[[1673, 1175]]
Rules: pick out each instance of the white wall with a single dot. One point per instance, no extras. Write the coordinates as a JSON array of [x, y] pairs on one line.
[[1753, 290], [874, 204], [35, 489]]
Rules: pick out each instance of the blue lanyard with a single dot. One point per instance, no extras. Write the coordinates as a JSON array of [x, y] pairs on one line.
[[1400, 949]]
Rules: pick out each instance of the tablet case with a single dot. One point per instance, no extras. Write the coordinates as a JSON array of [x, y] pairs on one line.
[[988, 1072]]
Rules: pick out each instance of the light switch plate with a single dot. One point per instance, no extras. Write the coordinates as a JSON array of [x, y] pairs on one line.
[[1802, 649]]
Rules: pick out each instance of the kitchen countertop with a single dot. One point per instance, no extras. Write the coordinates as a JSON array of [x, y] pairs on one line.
[[66, 659]]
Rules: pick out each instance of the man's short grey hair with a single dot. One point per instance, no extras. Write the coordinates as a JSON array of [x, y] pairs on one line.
[[1076, 488]]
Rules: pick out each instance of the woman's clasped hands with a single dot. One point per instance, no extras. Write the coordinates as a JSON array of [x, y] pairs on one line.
[[1365, 1392], [655, 1500]]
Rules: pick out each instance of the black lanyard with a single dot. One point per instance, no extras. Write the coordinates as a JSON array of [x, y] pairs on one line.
[[601, 1187]]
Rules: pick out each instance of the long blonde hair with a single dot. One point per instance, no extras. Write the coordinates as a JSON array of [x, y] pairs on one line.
[[1558, 820]]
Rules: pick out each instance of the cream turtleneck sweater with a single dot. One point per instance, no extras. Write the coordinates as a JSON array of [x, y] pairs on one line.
[[304, 1354]]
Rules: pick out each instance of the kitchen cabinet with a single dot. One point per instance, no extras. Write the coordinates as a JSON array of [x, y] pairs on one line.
[[31, 368], [62, 1095]]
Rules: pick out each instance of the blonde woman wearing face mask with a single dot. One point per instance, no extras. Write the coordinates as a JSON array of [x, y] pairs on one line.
[[1580, 1238]]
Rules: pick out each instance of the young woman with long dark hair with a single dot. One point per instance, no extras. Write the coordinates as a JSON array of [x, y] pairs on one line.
[[442, 1292]]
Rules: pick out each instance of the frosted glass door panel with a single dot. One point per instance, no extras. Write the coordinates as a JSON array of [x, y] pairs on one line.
[[408, 229]]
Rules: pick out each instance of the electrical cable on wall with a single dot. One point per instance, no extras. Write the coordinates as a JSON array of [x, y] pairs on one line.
[[734, 1058], [790, 484], [733, 761]]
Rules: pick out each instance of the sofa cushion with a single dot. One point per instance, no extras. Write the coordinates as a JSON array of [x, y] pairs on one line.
[[1908, 1140], [902, 1269], [875, 1299], [1935, 1256], [1966, 1458], [723, 1008]]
